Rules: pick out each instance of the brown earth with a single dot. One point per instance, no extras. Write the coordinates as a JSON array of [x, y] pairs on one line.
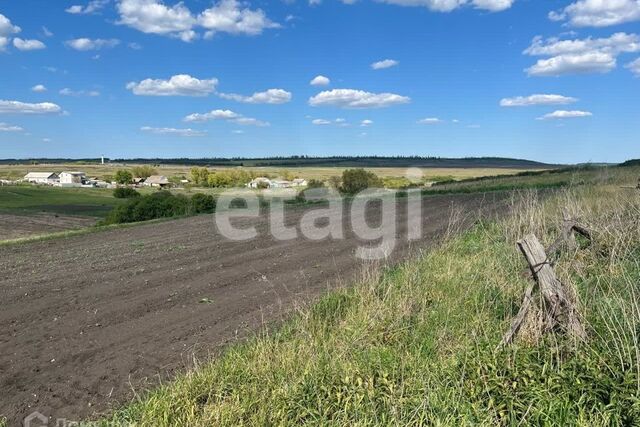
[[89, 321], [27, 225]]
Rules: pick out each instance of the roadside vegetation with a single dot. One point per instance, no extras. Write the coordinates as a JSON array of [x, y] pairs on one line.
[[417, 344]]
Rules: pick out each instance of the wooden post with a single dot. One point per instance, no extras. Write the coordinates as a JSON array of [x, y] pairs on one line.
[[559, 310]]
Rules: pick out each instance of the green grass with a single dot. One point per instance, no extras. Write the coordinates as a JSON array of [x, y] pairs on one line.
[[65, 201], [416, 344]]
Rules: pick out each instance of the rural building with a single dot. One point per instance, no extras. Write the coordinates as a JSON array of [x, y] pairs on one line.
[[278, 183], [48, 178], [260, 182], [299, 182], [157, 181], [72, 179]]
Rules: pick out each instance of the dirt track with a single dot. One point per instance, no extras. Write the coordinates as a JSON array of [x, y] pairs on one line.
[[85, 319]]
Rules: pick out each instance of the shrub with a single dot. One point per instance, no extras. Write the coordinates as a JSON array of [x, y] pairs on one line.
[[125, 193], [202, 203], [162, 204], [123, 177], [143, 171], [356, 180]]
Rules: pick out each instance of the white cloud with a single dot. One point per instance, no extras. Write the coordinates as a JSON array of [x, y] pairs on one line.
[[226, 115], [9, 128], [580, 55], [430, 121], [450, 5], [134, 46], [321, 122], [562, 114], [22, 44], [92, 7], [598, 13], [85, 44], [366, 123], [46, 32], [7, 28], [634, 67], [228, 16], [320, 81], [68, 92], [387, 63], [17, 107], [173, 131], [39, 89], [351, 98], [178, 85], [271, 96], [537, 99]]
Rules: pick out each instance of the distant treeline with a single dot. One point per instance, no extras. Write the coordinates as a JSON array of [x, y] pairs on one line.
[[308, 161]]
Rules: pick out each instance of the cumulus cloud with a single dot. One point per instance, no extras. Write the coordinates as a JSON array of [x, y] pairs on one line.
[[39, 88], [634, 67], [7, 29], [537, 99], [321, 122], [580, 55], [271, 96], [228, 16], [366, 123], [430, 121], [320, 81], [17, 107], [173, 131], [598, 13], [450, 5], [178, 85], [225, 115], [92, 7], [68, 92], [563, 114], [387, 63], [25, 45], [351, 98], [9, 128], [85, 44]]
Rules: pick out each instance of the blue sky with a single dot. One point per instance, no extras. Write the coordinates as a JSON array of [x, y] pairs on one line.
[[555, 81]]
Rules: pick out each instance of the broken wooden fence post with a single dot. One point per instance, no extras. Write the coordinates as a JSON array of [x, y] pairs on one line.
[[559, 309]]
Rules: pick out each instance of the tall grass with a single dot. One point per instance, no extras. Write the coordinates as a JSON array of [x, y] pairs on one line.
[[415, 345]]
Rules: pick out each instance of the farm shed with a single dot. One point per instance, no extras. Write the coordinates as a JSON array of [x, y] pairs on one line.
[[72, 179], [157, 181], [49, 178]]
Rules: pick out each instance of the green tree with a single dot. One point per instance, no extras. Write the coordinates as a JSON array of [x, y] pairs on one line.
[[123, 177], [356, 180], [143, 171]]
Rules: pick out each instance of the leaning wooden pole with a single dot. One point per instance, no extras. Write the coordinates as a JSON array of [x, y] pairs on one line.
[[559, 310]]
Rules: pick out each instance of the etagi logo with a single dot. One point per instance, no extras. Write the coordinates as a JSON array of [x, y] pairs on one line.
[[36, 419]]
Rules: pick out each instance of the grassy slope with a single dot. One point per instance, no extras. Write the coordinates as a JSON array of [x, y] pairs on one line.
[[67, 201], [416, 344]]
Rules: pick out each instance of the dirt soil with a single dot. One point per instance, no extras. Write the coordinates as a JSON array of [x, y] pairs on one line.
[[17, 226], [88, 321]]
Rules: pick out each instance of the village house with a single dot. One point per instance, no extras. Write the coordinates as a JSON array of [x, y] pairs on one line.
[[72, 179], [260, 182], [46, 178], [157, 181]]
